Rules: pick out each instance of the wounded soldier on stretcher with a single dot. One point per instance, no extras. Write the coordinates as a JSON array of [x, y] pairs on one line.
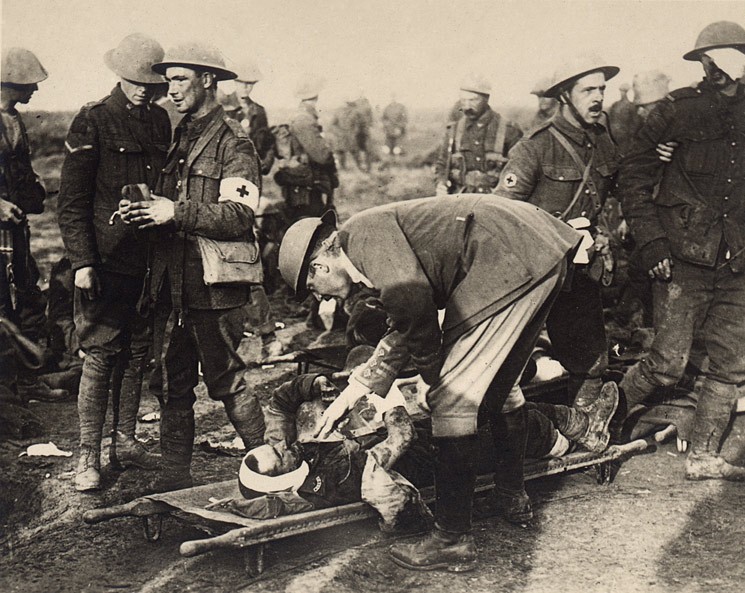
[[379, 455]]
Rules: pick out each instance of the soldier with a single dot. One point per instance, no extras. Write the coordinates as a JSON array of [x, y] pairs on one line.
[[119, 140], [395, 119], [494, 311], [476, 144], [547, 106], [308, 178], [252, 116], [347, 127], [21, 193], [624, 120], [691, 234], [209, 187], [650, 88], [567, 167]]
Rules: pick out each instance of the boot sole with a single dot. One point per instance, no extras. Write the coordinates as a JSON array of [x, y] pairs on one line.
[[466, 566], [608, 420]]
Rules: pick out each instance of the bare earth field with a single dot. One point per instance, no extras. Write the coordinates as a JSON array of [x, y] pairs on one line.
[[648, 531]]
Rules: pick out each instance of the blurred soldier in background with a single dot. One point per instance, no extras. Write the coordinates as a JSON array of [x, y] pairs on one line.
[[623, 119], [650, 88], [395, 119], [688, 219], [117, 141], [307, 171], [252, 116], [567, 166], [349, 135], [21, 194], [365, 110], [476, 144], [547, 106], [209, 187]]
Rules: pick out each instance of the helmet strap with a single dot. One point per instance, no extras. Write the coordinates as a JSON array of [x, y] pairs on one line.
[[564, 99]]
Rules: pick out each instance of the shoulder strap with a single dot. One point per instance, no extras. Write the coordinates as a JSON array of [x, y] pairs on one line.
[[458, 133], [585, 168]]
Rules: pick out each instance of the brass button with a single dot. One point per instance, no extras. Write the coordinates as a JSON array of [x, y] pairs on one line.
[[181, 161], [587, 191], [478, 158], [178, 183], [724, 215], [561, 178], [148, 167], [121, 149]]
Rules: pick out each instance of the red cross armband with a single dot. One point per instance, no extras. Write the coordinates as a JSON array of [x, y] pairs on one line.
[[243, 191]]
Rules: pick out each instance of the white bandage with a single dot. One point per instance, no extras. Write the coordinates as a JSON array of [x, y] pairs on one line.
[[581, 224], [729, 60], [382, 405], [237, 189]]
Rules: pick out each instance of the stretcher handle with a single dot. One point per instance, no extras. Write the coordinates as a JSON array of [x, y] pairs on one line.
[[232, 539], [136, 508]]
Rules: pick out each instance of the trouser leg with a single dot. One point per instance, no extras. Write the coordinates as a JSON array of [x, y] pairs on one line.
[[577, 331], [131, 379], [455, 479]]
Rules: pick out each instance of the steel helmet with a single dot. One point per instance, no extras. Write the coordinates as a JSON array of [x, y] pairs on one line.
[[575, 69], [296, 247], [650, 87], [20, 66], [134, 57], [308, 89], [539, 88], [195, 55], [475, 83], [717, 35], [248, 72]]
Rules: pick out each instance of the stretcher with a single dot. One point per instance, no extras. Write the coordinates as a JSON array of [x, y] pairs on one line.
[[197, 507]]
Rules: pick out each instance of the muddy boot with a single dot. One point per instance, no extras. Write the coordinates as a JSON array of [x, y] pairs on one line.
[[176, 445], [510, 433], [587, 393], [713, 415], [88, 473], [450, 545], [599, 414], [244, 412], [440, 550], [129, 452]]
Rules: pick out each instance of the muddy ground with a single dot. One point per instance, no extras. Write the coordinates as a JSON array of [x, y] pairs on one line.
[[648, 531]]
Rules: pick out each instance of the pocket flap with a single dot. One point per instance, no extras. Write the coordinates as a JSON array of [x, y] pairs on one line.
[[562, 172]]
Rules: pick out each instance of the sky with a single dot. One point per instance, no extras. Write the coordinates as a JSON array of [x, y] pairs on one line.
[[418, 50]]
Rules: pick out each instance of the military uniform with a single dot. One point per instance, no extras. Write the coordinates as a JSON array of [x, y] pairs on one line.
[[476, 151], [196, 323], [21, 300], [697, 219], [111, 143], [624, 122], [395, 119], [254, 120], [310, 146], [542, 171]]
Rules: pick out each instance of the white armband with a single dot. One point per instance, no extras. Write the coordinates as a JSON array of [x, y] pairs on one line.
[[237, 189]]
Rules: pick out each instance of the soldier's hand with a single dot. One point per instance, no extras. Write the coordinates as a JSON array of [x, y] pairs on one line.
[[441, 189], [9, 212], [151, 213], [663, 270], [324, 388], [332, 416], [665, 151], [86, 279]]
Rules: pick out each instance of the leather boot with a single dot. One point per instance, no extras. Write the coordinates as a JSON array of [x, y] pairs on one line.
[[128, 451], [176, 445], [587, 392], [244, 412], [450, 545], [713, 415], [440, 550], [88, 473], [510, 433], [599, 414]]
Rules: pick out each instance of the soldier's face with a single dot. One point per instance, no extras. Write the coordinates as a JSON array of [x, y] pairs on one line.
[[587, 96], [717, 77], [138, 93], [473, 104], [18, 93], [243, 89], [187, 89], [275, 460], [327, 279]]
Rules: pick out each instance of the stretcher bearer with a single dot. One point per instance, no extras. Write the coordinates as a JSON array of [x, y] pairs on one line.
[[495, 266], [119, 140], [209, 187], [567, 167]]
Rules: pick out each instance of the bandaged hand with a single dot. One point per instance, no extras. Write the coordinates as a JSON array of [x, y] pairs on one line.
[[339, 408]]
